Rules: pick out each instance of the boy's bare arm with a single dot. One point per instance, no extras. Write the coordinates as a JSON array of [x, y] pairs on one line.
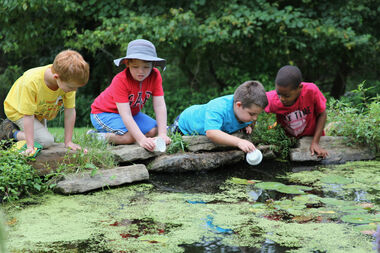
[[314, 147], [159, 107], [220, 137], [126, 115], [70, 115], [28, 121]]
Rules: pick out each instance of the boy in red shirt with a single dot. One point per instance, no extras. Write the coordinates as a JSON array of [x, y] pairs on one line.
[[300, 107], [116, 112]]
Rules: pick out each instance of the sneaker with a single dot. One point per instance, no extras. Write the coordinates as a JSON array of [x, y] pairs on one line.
[[96, 135], [7, 128]]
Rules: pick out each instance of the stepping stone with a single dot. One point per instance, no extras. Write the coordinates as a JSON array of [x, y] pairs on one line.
[[337, 147], [84, 182]]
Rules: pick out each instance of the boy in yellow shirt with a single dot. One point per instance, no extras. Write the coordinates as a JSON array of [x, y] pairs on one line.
[[38, 95]]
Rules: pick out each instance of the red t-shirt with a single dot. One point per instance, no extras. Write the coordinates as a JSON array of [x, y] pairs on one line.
[[299, 119], [124, 89]]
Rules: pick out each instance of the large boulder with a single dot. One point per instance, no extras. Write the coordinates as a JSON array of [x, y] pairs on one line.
[[337, 147]]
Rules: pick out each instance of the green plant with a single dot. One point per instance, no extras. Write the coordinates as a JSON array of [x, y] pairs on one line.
[[17, 177], [263, 133], [177, 144], [359, 125], [97, 155]]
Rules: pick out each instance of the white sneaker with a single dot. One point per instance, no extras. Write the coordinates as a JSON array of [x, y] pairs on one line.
[[96, 135]]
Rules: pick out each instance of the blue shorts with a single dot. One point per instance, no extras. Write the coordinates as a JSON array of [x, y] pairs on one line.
[[108, 122]]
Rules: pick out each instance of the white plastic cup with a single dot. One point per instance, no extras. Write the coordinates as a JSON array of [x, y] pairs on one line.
[[255, 157], [160, 144]]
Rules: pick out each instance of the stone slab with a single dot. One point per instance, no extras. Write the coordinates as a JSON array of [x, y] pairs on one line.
[[132, 152], [49, 159], [337, 147], [190, 161], [84, 182]]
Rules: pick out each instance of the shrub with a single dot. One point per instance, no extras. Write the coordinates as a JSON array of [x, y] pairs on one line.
[[17, 177], [263, 133], [357, 119]]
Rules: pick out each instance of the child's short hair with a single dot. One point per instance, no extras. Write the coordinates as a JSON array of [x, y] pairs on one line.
[[289, 76], [70, 66], [251, 92]]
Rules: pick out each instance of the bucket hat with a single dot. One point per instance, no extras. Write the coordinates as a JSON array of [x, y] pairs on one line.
[[143, 50]]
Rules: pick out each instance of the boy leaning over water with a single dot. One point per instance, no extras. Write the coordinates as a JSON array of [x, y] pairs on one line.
[[116, 112], [225, 115], [38, 95], [300, 107]]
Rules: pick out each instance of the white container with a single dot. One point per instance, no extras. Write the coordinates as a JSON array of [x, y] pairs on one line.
[[160, 144], [255, 157]]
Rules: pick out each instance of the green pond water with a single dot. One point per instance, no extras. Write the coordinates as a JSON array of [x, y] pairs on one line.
[[270, 208]]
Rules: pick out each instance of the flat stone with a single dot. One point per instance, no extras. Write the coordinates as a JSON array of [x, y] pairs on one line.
[[131, 152], [190, 161], [84, 182], [49, 159], [202, 143], [337, 147]]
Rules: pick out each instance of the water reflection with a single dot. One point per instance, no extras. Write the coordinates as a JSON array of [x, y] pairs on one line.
[[210, 181], [215, 245]]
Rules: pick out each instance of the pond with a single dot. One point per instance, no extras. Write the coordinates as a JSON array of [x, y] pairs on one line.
[[271, 208]]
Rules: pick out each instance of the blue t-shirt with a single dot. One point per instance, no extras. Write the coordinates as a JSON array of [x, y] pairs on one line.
[[218, 114]]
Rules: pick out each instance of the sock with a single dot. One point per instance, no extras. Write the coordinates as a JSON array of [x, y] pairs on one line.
[[15, 132]]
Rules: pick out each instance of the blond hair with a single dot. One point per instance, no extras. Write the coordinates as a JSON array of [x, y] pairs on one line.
[[70, 66], [251, 92]]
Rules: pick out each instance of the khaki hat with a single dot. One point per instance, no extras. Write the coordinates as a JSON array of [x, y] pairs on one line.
[[142, 50]]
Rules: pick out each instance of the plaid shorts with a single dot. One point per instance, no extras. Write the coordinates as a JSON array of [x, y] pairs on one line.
[[174, 128]]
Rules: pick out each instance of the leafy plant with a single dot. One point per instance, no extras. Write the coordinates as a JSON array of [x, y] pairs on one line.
[[268, 133], [177, 144], [358, 119], [17, 177], [96, 157]]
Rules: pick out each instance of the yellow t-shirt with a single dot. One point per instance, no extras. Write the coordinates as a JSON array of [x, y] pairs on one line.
[[30, 95]]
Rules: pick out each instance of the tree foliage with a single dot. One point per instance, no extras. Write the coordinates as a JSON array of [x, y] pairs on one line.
[[206, 43]]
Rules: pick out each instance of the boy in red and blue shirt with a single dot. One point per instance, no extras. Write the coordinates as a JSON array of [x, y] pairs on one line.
[[116, 112], [300, 107]]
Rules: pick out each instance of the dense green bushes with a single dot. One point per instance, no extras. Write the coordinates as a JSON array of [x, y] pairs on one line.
[[356, 117], [17, 177]]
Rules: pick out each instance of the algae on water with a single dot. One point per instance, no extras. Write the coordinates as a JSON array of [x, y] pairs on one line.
[[139, 218]]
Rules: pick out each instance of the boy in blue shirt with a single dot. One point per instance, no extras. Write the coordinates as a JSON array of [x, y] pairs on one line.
[[225, 115]]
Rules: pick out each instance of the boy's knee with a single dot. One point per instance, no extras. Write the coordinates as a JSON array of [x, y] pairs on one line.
[[152, 132]]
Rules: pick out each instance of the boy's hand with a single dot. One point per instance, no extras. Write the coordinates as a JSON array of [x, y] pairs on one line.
[[147, 143], [166, 139], [246, 146], [248, 129], [74, 147], [316, 149], [29, 151]]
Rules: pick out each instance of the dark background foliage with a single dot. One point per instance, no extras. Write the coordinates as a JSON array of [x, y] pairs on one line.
[[210, 46]]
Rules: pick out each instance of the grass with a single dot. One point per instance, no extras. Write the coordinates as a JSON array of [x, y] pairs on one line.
[[96, 157]]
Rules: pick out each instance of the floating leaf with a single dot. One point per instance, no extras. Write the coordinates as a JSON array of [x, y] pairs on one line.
[[308, 198], [352, 209], [237, 180], [367, 228], [326, 212], [269, 185], [303, 187], [357, 218], [290, 189], [334, 202], [335, 179]]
